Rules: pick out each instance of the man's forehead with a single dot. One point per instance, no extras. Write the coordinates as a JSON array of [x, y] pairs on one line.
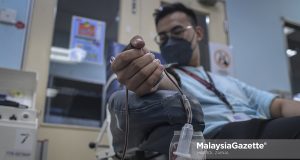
[[172, 20]]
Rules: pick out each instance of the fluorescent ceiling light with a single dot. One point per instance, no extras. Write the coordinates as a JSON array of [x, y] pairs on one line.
[[297, 97], [207, 20], [291, 53], [288, 30]]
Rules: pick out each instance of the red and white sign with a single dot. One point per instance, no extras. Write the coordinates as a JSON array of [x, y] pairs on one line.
[[221, 60]]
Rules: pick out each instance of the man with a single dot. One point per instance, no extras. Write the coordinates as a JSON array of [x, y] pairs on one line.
[[232, 109]]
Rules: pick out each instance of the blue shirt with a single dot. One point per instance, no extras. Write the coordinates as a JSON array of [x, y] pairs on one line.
[[244, 98]]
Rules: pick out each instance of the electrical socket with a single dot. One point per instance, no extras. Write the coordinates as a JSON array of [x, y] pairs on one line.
[[8, 15]]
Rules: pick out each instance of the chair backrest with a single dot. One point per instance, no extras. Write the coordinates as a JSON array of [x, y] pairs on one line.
[[106, 151]]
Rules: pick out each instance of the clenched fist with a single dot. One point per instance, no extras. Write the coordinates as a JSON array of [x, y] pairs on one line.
[[137, 68]]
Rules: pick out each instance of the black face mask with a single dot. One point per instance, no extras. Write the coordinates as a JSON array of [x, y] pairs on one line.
[[177, 50]]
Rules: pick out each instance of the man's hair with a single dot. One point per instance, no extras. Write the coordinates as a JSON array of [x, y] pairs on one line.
[[171, 8]]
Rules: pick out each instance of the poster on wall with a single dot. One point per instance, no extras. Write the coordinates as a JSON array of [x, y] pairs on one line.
[[89, 35], [221, 59]]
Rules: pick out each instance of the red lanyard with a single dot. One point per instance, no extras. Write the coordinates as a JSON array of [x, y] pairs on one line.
[[209, 85]]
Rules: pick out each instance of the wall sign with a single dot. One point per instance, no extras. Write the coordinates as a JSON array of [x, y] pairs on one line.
[[221, 59], [89, 35]]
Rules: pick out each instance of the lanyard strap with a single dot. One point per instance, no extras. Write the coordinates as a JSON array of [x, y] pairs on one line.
[[209, 85]]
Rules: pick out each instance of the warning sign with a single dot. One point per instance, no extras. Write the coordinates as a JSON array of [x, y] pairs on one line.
[[221, 60]]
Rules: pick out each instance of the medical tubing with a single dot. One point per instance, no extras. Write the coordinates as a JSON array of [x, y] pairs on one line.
[[179, 89], [127, 126], [186, 103]]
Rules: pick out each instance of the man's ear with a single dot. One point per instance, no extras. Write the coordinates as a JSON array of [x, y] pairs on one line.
[[199, 32]]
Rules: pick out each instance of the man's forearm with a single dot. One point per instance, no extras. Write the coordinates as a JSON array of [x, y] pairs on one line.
[[285, 108]]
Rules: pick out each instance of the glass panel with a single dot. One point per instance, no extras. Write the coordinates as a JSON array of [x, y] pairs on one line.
[[75, 81], [76, 102]]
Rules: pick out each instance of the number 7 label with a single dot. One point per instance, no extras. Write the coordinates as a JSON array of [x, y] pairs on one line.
[[24, 140]]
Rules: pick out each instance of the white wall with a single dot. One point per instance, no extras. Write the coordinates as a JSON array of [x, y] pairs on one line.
[[256, 34]]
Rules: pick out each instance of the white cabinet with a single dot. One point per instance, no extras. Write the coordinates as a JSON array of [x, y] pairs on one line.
[[19, 123]]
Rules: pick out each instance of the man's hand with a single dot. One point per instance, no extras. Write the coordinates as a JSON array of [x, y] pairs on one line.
[[137, 68]]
